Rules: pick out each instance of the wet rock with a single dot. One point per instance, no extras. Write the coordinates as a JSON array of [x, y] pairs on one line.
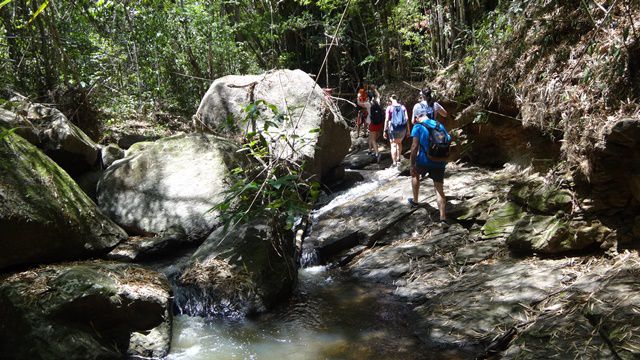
[[348, 180], [170, 182], [636, 227], [359, 221], [44, 215], [90, 310], [358, 160], [240, 272], [222, 108]]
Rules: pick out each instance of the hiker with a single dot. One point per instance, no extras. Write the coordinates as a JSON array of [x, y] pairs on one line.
[[396, 128], [364, 106], [429, 152], [427, 107], [376, 116]]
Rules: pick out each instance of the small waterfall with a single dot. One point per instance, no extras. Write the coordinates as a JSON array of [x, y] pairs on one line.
[[372, 181]]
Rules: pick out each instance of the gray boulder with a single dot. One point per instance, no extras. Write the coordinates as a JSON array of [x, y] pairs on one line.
[[63, 141], [91, 310], [171, 182], [44, 216], [240, 272], [294, 94]]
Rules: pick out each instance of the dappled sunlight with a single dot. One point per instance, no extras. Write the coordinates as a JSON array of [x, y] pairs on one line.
[[161, 186]]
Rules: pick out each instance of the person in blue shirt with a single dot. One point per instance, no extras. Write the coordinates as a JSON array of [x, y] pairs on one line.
[[422, 164]]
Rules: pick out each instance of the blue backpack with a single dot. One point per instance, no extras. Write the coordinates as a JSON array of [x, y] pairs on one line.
[[439, 141], [427, 110], [398, 120]]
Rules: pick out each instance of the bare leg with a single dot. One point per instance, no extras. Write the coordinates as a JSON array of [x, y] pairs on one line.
[[415, 186], [394, 147], [440, 198], [372, 142], [376, 135], [399, 149]]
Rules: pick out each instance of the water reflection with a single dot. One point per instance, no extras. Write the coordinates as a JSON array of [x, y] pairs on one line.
[[329, 317]]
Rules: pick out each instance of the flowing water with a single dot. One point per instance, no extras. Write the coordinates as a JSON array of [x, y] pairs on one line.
[[330, 316]]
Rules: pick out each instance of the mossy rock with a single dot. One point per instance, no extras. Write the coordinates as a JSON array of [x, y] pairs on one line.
[[502, 221], [541, 198], [92, 310], [240, 272], [44, 215], [552, 235], [477, 208]]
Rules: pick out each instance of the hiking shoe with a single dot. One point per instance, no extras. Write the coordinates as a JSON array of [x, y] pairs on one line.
[[412, 203]]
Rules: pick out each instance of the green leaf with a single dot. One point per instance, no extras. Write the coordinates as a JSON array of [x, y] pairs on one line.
[[40, 9], [5, 2]]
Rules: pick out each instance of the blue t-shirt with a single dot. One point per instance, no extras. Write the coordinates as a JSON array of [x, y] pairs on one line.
[[420, 131]]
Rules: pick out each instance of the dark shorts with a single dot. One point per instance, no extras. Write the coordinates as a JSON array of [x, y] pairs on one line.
[[397, 135], [436, 173]]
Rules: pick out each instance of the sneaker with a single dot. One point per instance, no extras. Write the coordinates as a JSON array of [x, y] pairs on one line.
[[444, 224], [412, 203]]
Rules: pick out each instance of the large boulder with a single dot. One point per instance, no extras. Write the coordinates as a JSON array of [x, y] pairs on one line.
[[173, 182], [294, 94], [44, 216], [63, 141], [239, 272], [91, 310]]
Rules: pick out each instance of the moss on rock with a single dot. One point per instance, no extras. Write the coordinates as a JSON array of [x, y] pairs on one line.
[[87, 310], [502, 221], [540, 197], [44, 215]]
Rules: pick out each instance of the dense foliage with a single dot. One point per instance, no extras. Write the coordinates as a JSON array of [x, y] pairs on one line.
[[131, 58]]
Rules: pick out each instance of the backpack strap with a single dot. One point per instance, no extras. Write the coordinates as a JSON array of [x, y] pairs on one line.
[[421, 148]]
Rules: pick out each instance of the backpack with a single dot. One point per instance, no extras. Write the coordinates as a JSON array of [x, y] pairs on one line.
[[377, 114], [397, 117], [439, 142], [427, 110]]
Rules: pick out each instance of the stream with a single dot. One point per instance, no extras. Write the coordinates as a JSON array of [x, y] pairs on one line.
[[329, 316]]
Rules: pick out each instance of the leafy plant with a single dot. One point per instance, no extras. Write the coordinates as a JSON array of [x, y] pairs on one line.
[[273, 185]]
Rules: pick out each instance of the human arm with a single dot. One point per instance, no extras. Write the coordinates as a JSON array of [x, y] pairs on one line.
[[386, 124], [406, 116], [440, 110]]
